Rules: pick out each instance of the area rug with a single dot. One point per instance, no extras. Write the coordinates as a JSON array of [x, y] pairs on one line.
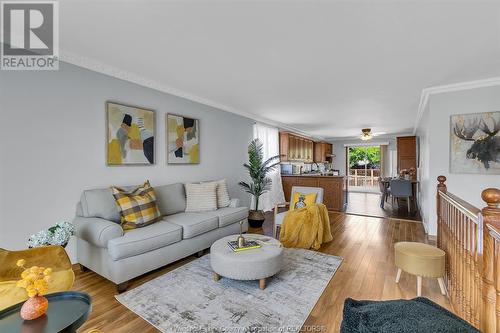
[[404, 316], [189, 300]]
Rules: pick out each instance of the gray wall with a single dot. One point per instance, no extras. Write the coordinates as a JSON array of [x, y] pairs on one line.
[[434, 130], [426, 186], [52, 145]]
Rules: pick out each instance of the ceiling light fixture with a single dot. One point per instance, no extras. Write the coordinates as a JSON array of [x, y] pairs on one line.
[[366, 134]]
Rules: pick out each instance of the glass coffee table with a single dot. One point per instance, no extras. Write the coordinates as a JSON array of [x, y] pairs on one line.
[[67, 311]]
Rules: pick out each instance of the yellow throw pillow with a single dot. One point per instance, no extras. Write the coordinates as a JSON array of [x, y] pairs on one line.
[[301, 200], [138, 207]]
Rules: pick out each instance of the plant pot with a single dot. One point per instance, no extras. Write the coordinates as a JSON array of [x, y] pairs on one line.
[[34, 307], [256, 218]]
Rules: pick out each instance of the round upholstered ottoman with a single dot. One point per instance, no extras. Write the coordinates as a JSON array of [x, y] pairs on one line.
[[422, 260], [254, 264]]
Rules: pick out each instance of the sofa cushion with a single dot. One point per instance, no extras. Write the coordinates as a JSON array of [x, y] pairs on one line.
[[230, 215], [146, 239], [100, 203], [201, 197], [138, 207], [194, 224], [223, 199], [171, 199]]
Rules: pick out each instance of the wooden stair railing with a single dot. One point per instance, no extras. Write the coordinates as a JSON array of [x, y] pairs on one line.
[[471, 239]]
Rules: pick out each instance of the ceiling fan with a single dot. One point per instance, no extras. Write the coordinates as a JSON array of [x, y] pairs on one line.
[[366, 134]]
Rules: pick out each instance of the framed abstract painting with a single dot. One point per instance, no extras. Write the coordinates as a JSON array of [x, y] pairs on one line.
[[130, 135], [475, 143], [182, 140]]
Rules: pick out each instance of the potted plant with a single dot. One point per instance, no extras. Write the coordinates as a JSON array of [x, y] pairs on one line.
[[56, 235], [260, 183]]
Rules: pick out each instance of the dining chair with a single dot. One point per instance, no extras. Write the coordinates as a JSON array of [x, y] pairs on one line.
[[384, 190], [401, 188]]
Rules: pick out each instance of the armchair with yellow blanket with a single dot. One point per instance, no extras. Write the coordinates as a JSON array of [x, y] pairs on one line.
[[55, 257], [307, 222], [300, 196], [306, 227]]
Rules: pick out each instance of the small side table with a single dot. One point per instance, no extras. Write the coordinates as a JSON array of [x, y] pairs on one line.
[[67, 311]]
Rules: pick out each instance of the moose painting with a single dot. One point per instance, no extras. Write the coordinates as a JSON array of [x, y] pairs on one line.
[[475, 143]]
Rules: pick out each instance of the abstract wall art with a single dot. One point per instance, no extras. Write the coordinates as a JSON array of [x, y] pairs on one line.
[[475, 143], [182, 140], [131, 135]]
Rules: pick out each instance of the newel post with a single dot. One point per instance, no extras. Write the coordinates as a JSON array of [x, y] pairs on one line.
[[441, 187], [490, 266]]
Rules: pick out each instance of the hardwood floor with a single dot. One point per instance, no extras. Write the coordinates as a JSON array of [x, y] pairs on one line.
[[368, 204], [368, 272]]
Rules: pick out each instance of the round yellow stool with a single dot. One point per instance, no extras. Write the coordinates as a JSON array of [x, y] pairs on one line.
[[422, 260]]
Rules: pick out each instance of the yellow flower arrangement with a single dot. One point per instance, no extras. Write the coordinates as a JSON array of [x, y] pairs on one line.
[[34, 279]]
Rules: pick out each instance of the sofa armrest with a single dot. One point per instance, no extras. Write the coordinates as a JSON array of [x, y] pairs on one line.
[[96, 231], [234, 203]]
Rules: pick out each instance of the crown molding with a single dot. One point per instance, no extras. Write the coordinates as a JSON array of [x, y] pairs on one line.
[[99, 67], [427, 92]]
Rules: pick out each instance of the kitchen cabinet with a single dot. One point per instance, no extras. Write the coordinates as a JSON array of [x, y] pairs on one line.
[[334, 188], [322, 152], [294, 148], [288, 183], [407, 153]]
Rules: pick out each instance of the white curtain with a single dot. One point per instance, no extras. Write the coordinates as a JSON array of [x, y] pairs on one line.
[[269, 137]]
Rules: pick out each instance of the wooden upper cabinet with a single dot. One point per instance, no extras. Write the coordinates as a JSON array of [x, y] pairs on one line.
[[319, 152], [307, 157], [322, 151], [284, 147], [295, 148], [407, 152], [328, 149], [301, 148]]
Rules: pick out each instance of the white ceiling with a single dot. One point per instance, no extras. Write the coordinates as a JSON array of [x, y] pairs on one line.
[[327, 68]]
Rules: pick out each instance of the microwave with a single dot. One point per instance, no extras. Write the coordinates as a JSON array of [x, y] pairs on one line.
[[286, 169]]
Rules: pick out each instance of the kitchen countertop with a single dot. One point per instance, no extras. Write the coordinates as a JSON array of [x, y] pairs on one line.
[[313, 175]]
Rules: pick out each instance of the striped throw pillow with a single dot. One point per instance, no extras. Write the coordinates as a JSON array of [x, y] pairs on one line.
[[223, 199], [138, 207], [201, 197]]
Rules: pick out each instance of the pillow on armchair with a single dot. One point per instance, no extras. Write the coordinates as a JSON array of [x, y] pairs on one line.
[[301, 200]]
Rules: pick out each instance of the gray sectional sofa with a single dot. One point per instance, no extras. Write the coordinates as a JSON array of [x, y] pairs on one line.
[[119, 256]]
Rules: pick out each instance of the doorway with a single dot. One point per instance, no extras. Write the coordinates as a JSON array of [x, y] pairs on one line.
[[363, 168], [364, 165]]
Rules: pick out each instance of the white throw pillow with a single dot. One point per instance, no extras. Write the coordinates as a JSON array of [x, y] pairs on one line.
[[201, 197], [223, 199]]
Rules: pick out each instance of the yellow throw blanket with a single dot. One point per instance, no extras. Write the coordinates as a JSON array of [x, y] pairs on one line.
[[306, 228]]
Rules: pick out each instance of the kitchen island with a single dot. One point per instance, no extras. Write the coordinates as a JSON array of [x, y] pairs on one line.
[[334, 187]]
